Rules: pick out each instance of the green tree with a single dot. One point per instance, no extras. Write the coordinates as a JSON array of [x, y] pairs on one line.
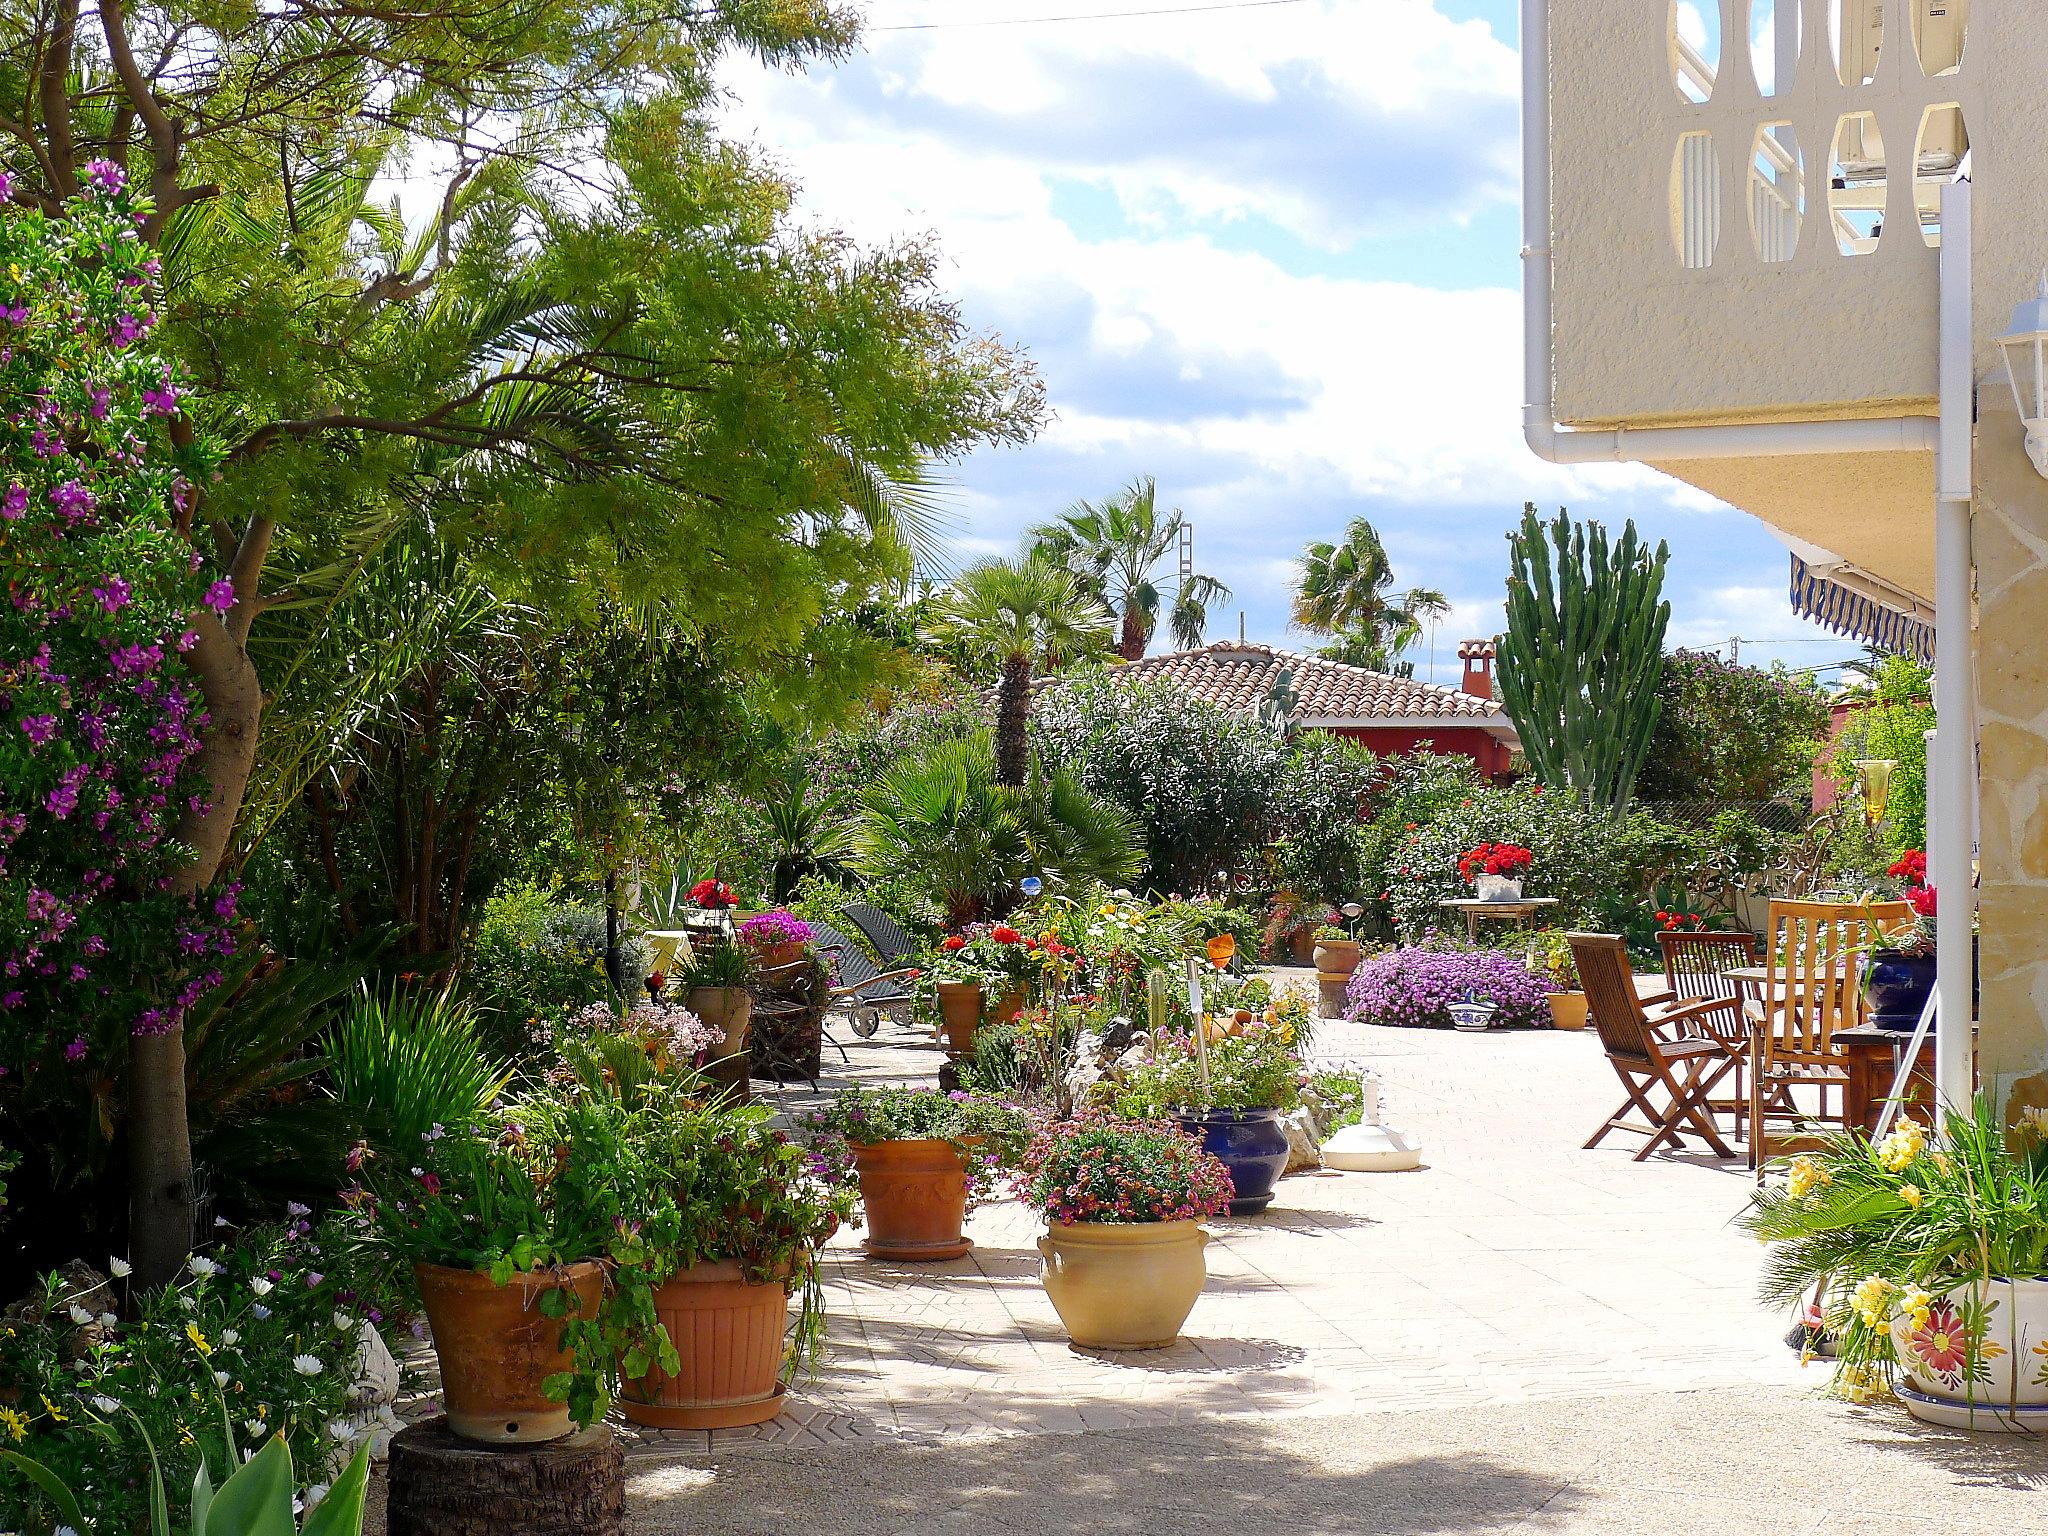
[[1344, 592], [609, 366], [1730, 732], [1893, 725], [1018, 615], [1113, 547], [1584, 653]]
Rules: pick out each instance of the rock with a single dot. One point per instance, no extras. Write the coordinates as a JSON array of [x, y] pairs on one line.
[[78, 1285], [1304, 1146], [376, 1371]]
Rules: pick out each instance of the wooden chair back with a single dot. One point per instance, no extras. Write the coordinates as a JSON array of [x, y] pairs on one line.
[[1696, 967], [1816, 974], [1617, 1008]]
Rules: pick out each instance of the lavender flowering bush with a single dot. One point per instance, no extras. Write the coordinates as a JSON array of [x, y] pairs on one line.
[[1415, 987], [767, 929]]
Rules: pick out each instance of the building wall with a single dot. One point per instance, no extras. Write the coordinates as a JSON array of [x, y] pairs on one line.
[[1493, 756]]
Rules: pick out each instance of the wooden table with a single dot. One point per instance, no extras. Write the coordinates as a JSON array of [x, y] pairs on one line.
[[1518, 912]]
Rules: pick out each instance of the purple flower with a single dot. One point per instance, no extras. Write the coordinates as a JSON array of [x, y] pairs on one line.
[[105, 176], [1415, 987], [73, 502], [15, 502], [115, 595], [75, 1051], [220, 597], [39, 729]]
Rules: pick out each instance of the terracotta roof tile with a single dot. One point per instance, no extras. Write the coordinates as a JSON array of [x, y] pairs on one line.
[[1241, 677]]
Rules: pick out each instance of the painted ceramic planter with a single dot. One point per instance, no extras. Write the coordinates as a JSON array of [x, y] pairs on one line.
[[1897, 986], [1124, 1286], [1981, 1362], [1251, 1144], [914, 1195], [496, 1347], [729, 1332], [1497, 888], [1568, 1010]]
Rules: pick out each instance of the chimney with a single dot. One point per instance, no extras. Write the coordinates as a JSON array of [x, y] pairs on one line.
[[1478, 658]]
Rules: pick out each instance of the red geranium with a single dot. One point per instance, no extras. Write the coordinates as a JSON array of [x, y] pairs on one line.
[[1911, 868], [953, 941], [1006, 935], [1922, 897], [714, 895], [1494, 859]]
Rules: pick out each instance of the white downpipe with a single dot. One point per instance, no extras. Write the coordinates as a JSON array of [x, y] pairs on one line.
[[1953, 776], [1902, 434]]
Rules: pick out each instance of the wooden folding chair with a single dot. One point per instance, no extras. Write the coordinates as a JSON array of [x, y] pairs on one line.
[[1696, 967], [1816, 988], [1650, 1051]]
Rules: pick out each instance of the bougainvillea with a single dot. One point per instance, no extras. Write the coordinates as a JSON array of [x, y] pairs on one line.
[[100, 720]]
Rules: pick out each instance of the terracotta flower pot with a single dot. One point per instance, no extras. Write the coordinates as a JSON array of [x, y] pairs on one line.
[[1337, 958], [1301, 945], [915, 1197], [1008, 1009], [1568, 1010], [724, 1008], [496, 1348], [789, 952], [959, 1015], [1978, 1362], [1124, 1285], [729, 1332]]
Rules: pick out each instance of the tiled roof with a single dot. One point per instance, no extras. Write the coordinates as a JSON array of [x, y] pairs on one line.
[[1240, 677]]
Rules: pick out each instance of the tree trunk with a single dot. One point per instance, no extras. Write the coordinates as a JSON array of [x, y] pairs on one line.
[[442, 1486], [1131, 643], [159, 1138], [1013, 706]]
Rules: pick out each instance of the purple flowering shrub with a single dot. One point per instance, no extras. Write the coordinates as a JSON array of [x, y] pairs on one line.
[[100, 719], [1415, 987], [767, 929]]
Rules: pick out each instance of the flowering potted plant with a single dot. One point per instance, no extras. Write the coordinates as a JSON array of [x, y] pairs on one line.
[[717, 1222], [1254, 1076], [1550, 960], [1899, 972], [1123, 1202], [712, 896], [1495, 870], [1939, 1256], [713, 983], [777, 938], [1416, 987], [924, 1158], [502, 1261], [974, 965]]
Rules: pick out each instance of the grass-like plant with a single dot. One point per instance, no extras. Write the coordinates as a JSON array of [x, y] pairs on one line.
[[406, 1059]]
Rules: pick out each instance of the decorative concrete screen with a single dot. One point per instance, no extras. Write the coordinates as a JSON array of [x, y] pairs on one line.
[[1745, 203]]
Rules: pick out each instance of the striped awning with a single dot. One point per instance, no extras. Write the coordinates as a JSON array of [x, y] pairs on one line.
[[1860, 616]]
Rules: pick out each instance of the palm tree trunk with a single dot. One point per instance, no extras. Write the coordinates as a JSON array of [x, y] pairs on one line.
[[1013, 706], [1131, 644]]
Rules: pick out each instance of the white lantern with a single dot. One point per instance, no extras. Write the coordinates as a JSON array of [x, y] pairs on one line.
[[2026, 362]]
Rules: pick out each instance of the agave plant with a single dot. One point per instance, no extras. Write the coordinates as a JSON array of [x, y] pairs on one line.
[[405, 1059]]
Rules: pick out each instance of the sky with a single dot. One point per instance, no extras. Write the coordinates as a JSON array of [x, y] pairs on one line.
[[1267, 254]]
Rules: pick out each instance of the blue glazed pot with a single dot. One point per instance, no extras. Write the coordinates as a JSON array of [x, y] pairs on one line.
[[1248, 1142], [1897, 986]]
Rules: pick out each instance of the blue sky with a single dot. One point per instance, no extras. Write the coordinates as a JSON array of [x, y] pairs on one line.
[[1268, 256]]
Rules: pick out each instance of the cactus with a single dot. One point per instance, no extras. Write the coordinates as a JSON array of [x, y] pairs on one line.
[[1584, 652]]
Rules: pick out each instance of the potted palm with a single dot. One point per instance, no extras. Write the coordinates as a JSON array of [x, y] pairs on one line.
[[1230, 1097], [502, 1263], [1935, 1256], [923, 1158], [1123, 1203], [1550, 958]]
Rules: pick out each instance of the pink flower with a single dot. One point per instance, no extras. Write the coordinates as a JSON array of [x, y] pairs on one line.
[[220, 596]]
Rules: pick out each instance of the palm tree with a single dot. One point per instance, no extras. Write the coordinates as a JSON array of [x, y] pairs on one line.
[[1112, 548], [1343, 594], [1019, 614]]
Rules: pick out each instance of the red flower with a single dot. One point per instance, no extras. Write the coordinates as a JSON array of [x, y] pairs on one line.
[[1943, 1346], [712, 894], [1911, 867], [1004, 935], [953, 941], [1922, 897]]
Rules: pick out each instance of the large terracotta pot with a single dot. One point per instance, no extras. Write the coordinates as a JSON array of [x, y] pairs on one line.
[[1008, 1009], [915, 1196], [496, 1348], [729, 1332], [959, 1015], [724, 1008], [768, 957], [1568, 1010], [1301, 945], [1124, 1286], [1337, 958], [1982, 1360]]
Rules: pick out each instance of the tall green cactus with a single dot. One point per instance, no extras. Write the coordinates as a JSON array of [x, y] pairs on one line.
[[1584, 652]]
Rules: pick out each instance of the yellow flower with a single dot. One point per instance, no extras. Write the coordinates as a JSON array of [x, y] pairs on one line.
[[15, 1425], [198, 1339], [1910, 1194], [1917, 1306], [1898, 1150], [1872, 1299], [57, 1415], [1805, 1177]]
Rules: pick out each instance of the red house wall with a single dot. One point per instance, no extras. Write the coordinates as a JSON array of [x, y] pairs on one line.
[[1491, 754]]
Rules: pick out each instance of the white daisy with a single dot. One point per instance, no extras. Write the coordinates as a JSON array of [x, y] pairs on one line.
[[220, 1378], [79, 1315], [107, 1320], [120, 1269], [105, 1404], [254, 1428], [259, 1311], [343, 1323], [229, 1338], [340, 1429], [261, 1286], [307, 1365], [202, 1266]]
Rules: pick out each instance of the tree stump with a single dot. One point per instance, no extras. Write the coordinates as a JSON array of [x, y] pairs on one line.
[[441, 1485]]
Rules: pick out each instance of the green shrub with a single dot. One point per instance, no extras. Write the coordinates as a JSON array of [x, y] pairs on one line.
[[404, 1060], [1894, 727], [1729, 732], [1573, 850]]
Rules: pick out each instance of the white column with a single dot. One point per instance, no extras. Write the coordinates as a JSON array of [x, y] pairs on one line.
[[1952, 771]]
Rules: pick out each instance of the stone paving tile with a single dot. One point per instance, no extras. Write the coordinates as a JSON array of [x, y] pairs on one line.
[[1513, 1267]]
